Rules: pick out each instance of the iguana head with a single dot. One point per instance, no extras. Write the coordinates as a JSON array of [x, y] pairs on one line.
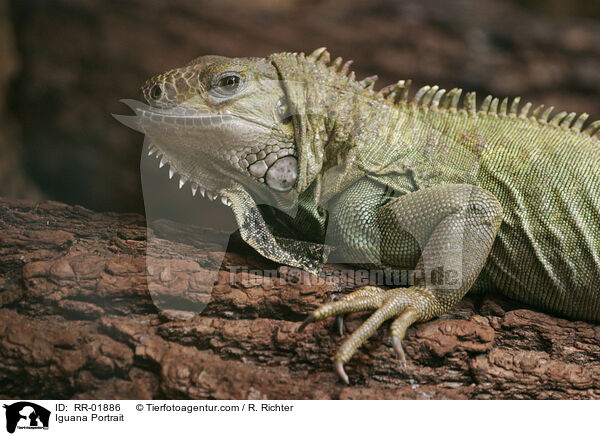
[[221, 121], [250, 130]]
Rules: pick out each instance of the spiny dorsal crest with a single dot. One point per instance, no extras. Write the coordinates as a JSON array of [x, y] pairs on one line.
[[322, 56], [435, 98], [397, 91]]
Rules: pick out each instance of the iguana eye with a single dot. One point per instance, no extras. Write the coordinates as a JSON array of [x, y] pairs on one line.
[[229, 84]]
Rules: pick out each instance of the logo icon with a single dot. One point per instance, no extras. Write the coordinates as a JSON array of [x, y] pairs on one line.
[[26, 415]]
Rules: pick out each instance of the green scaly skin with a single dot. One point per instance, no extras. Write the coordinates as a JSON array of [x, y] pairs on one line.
[[497, 197]]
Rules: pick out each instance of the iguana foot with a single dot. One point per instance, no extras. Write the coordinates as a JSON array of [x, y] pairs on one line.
[[404, 305], [368, 291]]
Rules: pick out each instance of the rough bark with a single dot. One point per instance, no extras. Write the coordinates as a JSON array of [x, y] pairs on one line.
[[77, 321]]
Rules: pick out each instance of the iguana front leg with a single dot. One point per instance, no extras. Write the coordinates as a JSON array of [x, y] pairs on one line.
[[447, 228]]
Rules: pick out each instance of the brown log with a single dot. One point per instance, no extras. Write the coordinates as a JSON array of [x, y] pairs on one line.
[[78, 319]]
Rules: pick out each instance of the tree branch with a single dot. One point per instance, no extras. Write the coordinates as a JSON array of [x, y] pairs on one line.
[[78, 319]]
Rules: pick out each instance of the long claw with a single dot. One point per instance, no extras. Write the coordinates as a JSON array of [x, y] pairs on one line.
[[339, 369], [397, 344], [310, 318], [339, 320]]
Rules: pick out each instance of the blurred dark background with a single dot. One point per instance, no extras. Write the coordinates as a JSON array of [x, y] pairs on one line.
[[64, 65]]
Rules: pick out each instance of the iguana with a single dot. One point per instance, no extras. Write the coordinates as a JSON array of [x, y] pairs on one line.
[[497, 196]]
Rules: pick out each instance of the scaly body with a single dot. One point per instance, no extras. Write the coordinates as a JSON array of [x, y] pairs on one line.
[[496, 196]]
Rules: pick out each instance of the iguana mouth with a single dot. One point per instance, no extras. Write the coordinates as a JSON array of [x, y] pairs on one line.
[[199, 118], [270, 163]]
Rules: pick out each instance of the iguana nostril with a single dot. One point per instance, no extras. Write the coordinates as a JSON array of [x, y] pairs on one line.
[[155, 92]]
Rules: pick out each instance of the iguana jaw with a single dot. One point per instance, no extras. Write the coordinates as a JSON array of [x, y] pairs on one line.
[[200, 154]]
